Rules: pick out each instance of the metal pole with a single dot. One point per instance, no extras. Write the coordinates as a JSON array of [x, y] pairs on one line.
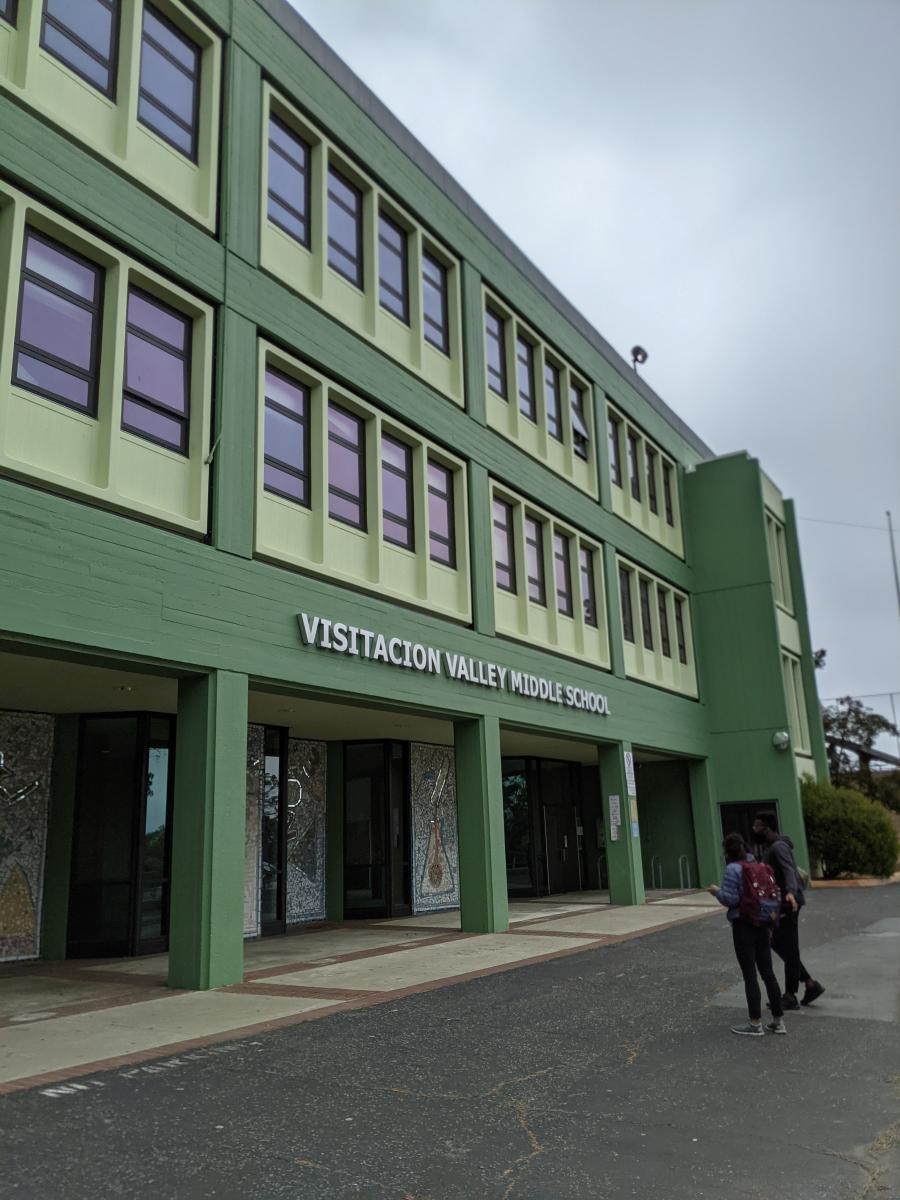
[[894, 559], [894, 712]]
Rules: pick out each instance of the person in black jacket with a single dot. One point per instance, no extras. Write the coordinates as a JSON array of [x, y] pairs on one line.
[[779, 855]]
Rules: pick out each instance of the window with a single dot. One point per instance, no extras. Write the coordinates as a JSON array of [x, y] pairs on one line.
[[525, 376], [615, 462], [157, 372], [778, 561], [627, 612], [563, 574], [534, 560], [667, 493], [345, 228], [679, 630], [551, 401], [662, 602], [580, 433], [588, 590], [346, 467], [441, 539], [633, 476], [58, 334], [796, 702], [504, 547], [82, 35], [286, 464], [495, 335], [396, 493], [434, 303], [169, 96], [393, 274], [650, 457], [646, 621], [8, 11], [289, 170]]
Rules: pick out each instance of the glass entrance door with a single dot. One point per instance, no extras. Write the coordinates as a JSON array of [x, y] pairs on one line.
[[376, 830], [273, 842]]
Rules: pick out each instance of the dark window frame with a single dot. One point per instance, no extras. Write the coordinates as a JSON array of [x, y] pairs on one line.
[[539, 581], [631, 458], [665, 642], [407, 476], [588, 586], [614, 429], [440, 341], [194, 128], [92, 374], [580, 441], [306, 172], [530, 412], [450, 542], [10, 16], [646, 607], [112, 65], [680, 632], [565, 601], [304, 423], [508, 531], [403, 298], [668, 471], [625, 601], [554, 421], [500, 340], [650, 457], [360, 452], [148, 402], [357, 280]]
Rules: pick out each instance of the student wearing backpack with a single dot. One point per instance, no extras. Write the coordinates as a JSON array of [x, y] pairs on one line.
[[749, 893]]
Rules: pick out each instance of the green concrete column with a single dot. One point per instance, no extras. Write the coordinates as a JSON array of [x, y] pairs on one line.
[[481, 549], [807, 667], [482, 853], [60, 827], [707, 827], [614, 610], [206, 940], [473, 344], [623, 856], [234, 436], [334, 832]]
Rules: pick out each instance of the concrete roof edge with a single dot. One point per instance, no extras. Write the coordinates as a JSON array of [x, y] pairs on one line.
[[319, 50]]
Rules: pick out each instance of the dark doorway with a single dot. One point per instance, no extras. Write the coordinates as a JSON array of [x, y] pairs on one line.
[[543, 826], [739, 818], [560, 800], [377, 880], [121, 844], [273, 842]]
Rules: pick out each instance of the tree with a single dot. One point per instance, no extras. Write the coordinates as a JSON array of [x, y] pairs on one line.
[[819, 659], [848, 720]]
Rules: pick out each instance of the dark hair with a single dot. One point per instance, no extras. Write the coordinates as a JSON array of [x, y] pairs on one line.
[[734, 848], [769, 820]]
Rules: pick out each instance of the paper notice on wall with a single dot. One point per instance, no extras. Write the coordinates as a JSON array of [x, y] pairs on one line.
[[615, 811], [634, 829], [613, 833], [629, 773]]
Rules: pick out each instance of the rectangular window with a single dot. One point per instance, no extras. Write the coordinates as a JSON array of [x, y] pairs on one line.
[[8, 11], [667, 494], [289, 175], [434, 303], [588, 589], [393, 272], [525, 377], [633, 477], [662, 602], [625, 597], [646, 621], [650, 457], [581, 435], [441, 521], [614, 427], [57, 347], [495, 341], [679, 631], [534, 560], [83, 35], [396, 493], [155, 401], [346, 467], [286, 466], [345, 228], [504, 547], [551, 401], [169, 95], [563, 574]]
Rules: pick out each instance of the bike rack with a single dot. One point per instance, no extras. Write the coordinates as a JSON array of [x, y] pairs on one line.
[[656, 871], [684, 871]]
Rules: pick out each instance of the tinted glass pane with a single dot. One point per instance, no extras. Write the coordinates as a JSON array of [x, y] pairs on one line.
[[394, 495], [30, 371], [344, 509], [493, 326], [343, 469], [89, 20], [525, 378], [288, 220], [158, 321], [396, 454], [438, 478], [438, 515], [441, 552], [344, 227], [344, 425], [292, 145], [282, 481], [663, 622], [551, 395], [167, 83], [625, 599], [154, 372], [289, 395], [6, 9], [646, 621], [61, 269], [141, 419], [586, 561], [395, 531], [392, 267], [69, 52], [434, 299], [287, 180], [178, 45], [284, 439], [51, 323], [153, 116]]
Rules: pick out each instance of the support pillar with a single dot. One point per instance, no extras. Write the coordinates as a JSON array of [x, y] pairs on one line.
[[482, 853], [623, 856], [206, 939], [334, 832], [707, 826], [60, 829]]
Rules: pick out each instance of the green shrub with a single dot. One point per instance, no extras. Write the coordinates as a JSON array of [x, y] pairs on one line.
[[847, 832]]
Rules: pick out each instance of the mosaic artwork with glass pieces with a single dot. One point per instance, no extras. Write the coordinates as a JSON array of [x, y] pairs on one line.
[[26, 757], [252, 847], [305, 796], [435, 845]]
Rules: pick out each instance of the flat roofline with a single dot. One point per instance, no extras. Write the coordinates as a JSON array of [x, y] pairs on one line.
[[323, 55]]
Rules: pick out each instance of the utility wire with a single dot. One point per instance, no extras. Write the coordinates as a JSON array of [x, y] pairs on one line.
[[846, 524]]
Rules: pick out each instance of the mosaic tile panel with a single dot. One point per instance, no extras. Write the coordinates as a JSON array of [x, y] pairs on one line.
[[305, 831], [26, 758], [435, 848], [255, 771]]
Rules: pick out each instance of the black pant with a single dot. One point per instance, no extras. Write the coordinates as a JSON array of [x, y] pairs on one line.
[[751, 947], [786, 944]]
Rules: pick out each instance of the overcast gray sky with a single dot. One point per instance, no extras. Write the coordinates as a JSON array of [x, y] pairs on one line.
[[718, 180]]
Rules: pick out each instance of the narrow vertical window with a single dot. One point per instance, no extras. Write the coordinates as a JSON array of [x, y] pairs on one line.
[[646, 619], [588, 587], [563, 570], [650, 457], [615, 459], [289, 173], [679, 630], [155, 401], [441, 521], [551, 401], [525, 378], [346, 467], [393, 268], [627, 610], [495, 342], [434, 303], [581, 434], [633, 476], [8, 11], [662, 601], [504, 547], [345, 228], [396, 493], [169, 93], [667, 493], [83, 35], [57, 347], [534, 560], [286, 458]]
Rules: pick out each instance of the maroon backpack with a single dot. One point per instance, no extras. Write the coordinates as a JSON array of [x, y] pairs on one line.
[[760, 900]]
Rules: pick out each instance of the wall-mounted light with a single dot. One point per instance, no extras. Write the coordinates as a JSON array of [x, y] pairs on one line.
[[638, 356], [781, 740]]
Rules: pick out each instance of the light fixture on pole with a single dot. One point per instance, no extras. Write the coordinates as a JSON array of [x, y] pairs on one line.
[[638, 356]]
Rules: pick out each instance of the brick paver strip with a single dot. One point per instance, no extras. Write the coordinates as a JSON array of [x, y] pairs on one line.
[[332, 959]]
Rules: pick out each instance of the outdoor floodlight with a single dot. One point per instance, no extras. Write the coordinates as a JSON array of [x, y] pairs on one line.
[[781, 740]]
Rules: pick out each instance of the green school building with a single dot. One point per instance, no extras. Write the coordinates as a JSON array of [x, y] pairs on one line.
[[345, 570]]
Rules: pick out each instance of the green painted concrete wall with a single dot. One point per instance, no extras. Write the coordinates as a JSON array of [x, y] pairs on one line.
[[667, 825]]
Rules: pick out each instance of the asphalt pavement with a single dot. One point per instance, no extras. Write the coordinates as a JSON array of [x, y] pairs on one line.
[[607, 1074]]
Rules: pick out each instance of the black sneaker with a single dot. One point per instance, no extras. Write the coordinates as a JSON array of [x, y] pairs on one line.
[[789, 1003], [813, 991]]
